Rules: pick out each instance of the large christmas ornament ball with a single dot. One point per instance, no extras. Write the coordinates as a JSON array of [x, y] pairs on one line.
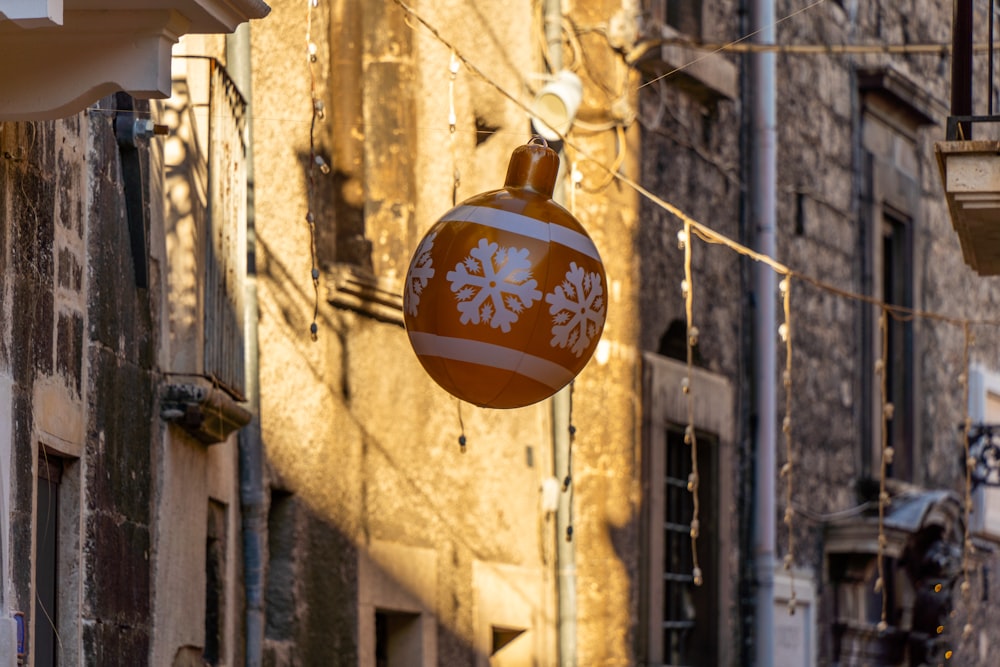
[[506, 296]]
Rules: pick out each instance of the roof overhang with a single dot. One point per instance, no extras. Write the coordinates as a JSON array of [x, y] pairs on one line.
[[59, 56]]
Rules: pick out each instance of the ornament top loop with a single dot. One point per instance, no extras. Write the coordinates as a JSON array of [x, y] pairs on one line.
[[533, 167]]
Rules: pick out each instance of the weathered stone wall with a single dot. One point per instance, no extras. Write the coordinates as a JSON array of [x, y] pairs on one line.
[[352, 424], [691, 158], [80, 344]]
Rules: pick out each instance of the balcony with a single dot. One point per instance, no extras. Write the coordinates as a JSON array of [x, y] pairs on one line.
[[970, 174], [59, 56]]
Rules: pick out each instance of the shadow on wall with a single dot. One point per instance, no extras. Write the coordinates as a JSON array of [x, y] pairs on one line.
[[329, 603], [336, 595]]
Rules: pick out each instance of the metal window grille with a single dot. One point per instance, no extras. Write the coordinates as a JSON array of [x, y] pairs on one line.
[[226, 248]]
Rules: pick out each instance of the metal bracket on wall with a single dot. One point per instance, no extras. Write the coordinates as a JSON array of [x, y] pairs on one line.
[[131, 131]]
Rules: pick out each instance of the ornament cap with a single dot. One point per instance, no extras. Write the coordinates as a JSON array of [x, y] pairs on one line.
[[533, 166]]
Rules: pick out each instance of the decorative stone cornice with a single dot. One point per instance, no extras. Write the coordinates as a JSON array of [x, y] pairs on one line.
[[205, 411], [58, 57]]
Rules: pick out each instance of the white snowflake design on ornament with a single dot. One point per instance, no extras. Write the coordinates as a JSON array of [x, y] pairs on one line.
[[577, 309], [421, 271], [494, 285]]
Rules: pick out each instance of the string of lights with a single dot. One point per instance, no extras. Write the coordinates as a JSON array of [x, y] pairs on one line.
[[316, 161], [970, 465], [690, 437], [788, 469], [886, 461]]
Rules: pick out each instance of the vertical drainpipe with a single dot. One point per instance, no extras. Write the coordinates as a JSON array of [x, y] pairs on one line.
[[565, 546], [763, 174], [252, 497]]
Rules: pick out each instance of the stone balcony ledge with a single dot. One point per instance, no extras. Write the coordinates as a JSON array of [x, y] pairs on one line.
[[59, 56]]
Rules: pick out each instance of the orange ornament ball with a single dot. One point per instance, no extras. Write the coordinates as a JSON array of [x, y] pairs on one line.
[[506, 295]]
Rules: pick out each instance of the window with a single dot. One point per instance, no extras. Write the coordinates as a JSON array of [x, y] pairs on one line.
[[279, 598], [397, 639], [53, 627], [682, 15], [683, 624], [897, 289], [215, 584], [890, 195], [46, 614], [397, 587], [685, 641]]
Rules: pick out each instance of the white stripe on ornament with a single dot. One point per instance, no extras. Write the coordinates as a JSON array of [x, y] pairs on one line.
[[525, 226], [495, 356]]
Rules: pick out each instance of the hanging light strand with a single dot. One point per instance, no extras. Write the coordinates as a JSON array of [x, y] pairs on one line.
[[970, 464], [690, 438], [568, 480], [453, 66], [788, 470], [887, 454], [315, 161]]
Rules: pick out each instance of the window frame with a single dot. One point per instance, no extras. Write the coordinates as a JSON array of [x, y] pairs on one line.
[[665, 407], [890, 194]]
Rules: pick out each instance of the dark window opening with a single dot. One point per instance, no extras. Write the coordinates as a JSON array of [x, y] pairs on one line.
[[47, 561], [502, 637], [688, 610], [397, 639], [279, 596], [215, 583], [897, 289], [673, 344]]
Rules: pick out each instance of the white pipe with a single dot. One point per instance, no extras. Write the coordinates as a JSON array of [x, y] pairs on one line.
[[763, 170], [251, 457]]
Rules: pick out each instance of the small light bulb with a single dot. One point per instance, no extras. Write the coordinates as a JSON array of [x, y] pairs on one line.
[[684, 287], [693, 337], [682, 238], [783, 332], [783, 285], [696, 573]]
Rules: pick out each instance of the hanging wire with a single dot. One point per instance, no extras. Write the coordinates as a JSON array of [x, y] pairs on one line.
[[887, 454], [318, 113], [690, 437], [568, 480], [970, 464], [788, 470], [461, 424]]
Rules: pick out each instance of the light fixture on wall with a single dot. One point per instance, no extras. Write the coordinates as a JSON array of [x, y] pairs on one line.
[[556, 105]]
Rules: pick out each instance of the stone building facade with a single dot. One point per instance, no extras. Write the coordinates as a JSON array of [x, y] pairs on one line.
[[392, 524], [121, 373], [860, 219]]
